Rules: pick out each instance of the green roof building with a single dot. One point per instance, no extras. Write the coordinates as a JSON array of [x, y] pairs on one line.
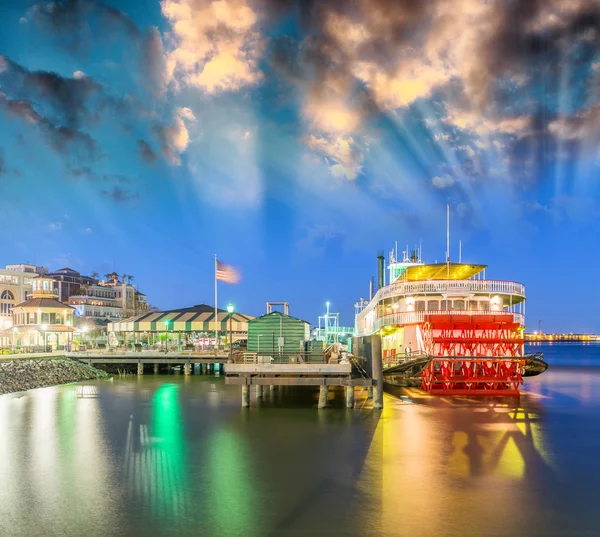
[[277, 332]]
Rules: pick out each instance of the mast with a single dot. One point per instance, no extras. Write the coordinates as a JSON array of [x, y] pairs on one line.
[[216, 311], [448, 240]]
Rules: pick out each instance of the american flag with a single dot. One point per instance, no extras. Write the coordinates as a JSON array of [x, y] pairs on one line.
[[227, 273]]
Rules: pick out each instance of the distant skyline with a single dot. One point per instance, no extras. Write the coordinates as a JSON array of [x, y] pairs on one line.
[[296, 139]]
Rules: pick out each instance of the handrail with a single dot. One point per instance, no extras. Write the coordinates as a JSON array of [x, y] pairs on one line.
[[416, 317], [285, 358], [443, 286]]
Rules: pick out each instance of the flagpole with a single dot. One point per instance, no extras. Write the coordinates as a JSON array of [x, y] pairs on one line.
[[216, 310]]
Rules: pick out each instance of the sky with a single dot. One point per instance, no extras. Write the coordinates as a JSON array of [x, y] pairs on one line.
[[296, 139]]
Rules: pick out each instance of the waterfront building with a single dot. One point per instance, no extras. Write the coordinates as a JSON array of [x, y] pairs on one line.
[[193, 327], [277, 332], [42, 320], [97, 301], [69, 282], [15, 287], [26, 267]]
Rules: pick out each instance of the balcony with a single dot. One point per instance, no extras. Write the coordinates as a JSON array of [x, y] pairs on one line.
[[416, 317], [451, 287]]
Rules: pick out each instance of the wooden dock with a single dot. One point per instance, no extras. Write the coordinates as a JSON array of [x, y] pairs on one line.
[[294, 370]]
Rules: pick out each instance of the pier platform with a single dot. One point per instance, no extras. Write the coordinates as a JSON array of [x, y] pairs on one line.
[[294, 370]]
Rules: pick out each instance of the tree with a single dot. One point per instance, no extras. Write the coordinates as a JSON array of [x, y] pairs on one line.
[[123, 277], [94, 276], [130, 278]]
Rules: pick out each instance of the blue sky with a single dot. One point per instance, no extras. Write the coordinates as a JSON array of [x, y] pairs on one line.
[[296, 139]]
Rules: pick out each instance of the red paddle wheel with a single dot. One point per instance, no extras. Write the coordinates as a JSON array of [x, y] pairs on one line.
[[472, 354]]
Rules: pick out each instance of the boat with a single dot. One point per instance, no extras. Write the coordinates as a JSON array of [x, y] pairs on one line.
[[446, 327]]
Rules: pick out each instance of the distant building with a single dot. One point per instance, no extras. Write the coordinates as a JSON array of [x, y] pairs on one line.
[[15, 286], [25, 267], [194, 326], [68, 282], [42, 321], [96, 301]]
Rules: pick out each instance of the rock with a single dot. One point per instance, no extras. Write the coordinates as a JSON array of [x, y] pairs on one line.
[[20, 375]]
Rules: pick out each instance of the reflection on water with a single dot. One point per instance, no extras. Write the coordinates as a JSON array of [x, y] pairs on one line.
[[178, 456]]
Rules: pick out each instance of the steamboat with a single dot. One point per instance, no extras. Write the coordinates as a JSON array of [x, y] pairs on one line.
[[446, 327]]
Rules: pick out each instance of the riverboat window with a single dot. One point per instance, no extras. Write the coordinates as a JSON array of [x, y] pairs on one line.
[[446, 305], [433, 305], [484, 305], [459, 305], [472, 304], [419, 305]]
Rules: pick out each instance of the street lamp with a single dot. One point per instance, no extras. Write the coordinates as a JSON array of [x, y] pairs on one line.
[[166, 335], [230, 309], [44, 328], [68, 334]]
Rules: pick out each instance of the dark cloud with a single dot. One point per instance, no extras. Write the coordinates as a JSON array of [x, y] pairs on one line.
[[69, 142], [88, 174], [146, 151], [72, 21], [83, 26], [153, 60], [120, 195], [74, 100]]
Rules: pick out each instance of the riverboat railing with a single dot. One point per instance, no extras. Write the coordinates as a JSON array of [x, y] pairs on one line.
[[418, 317], [451, 286]]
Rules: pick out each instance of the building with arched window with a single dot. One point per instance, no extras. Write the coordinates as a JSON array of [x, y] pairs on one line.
[[7, 301], [42, 321], [15, 287]]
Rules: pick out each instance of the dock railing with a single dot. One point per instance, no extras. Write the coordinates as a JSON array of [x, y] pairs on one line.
[[286, 358], [401, 358]]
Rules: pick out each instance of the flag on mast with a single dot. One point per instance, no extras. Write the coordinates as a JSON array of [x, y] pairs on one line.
[[227, 273]]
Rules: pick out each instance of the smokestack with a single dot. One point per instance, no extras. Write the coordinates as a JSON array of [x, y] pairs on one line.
[[380, 269], [371, 289]]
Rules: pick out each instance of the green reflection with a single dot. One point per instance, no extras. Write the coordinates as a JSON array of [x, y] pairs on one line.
[[231, 489], [167, 467]]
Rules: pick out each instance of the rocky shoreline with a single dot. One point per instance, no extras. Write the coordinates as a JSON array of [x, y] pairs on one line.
[[22, 374]]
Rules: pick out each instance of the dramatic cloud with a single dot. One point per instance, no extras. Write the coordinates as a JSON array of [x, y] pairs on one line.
[[584, 125], [174, 138], [120, 195], [83, 26], [146, 151], [385, 56], [69, 21], [69, 142], [214, 45], [443, 182], [154, 60]]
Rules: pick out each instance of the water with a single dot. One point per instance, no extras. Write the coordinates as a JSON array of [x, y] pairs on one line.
[[171, 455]]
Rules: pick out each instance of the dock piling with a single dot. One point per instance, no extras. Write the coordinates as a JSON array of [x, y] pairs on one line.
[[377, 368], [140, 369], [259, 390], [349, 396], [245, 396], [323, 396]]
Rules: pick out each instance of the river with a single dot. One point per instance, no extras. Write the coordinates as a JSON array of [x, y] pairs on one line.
[[175, 455]]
